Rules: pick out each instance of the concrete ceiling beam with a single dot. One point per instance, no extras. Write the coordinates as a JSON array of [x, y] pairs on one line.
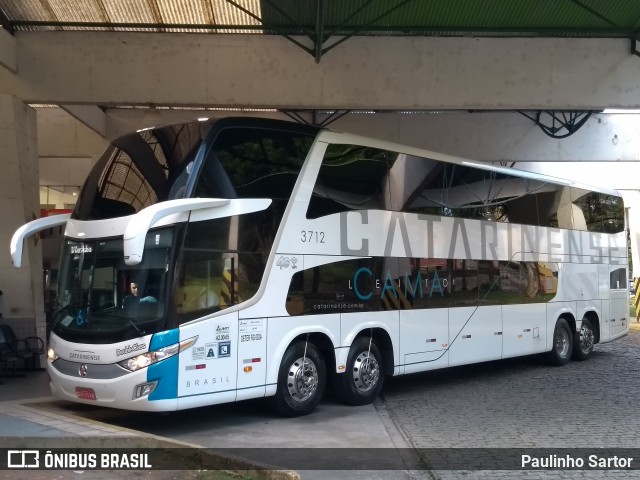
[[405, 73], [90, 115]]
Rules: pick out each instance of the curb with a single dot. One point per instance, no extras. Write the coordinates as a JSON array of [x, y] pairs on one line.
[[202, 458]]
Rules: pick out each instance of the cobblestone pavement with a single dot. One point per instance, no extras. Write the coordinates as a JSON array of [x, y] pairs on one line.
[[525, 403]]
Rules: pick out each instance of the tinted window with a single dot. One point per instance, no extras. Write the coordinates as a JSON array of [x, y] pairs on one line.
[[352, 178], [221, 267], [599, 212], [139, 170], [618, 279], [378, 284], [362, 178], [253, 163]]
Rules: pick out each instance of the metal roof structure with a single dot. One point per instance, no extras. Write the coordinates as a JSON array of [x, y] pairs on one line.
[[317, 26]]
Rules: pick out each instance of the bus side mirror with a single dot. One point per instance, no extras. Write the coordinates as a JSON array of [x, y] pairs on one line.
[[140, 223], [200, 208], [28, 229]]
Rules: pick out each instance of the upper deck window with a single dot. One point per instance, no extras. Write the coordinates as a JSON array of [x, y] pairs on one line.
[[139, 170], [354, 177], [124, 186], [253, 163]]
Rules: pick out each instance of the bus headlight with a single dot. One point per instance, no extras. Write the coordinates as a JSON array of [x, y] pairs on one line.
[[52, 356], [149, 358]]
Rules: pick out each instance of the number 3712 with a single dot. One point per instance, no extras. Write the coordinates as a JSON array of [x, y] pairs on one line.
[[311, 236]]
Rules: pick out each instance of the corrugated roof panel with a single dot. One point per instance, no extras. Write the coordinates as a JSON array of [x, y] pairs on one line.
[[226, 14], [185, 12], [129, 12], [26, 10], [75, 11]]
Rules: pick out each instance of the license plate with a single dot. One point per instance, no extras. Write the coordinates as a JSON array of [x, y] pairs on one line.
[[85, 393]]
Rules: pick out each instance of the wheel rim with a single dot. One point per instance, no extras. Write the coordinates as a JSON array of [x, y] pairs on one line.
[[366, 371], [302, 379], [586, 339], [562, 342]]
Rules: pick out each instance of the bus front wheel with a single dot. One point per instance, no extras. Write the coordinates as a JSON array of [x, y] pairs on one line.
[[301, 381], [562, 347], [363, 378], [583, 342]]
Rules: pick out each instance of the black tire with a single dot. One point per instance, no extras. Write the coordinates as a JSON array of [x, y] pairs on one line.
[[301, 381], [583, 341], [363, 378], [562, 346]]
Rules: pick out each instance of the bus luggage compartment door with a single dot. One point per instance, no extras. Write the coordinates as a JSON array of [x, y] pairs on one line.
[[475, 334], [424, 339]]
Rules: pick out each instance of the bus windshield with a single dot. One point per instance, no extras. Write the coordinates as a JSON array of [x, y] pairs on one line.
[[102, 300]]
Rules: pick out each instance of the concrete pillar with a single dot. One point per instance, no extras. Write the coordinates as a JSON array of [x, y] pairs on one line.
[[22, 303]]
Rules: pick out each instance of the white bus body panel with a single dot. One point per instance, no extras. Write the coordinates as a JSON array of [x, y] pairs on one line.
[[577, 281], [252, 357], [474, 334], [424, 339], [524, 329], [605, 320], [210, 365]]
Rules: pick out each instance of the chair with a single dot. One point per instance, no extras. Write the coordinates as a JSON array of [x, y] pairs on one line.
[[7, 361], [26, 350], [35, 345]]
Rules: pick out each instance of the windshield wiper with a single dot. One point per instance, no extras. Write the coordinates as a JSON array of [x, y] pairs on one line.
[[141, 333]]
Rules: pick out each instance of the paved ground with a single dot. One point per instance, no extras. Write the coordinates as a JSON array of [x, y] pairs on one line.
[[525, 403]]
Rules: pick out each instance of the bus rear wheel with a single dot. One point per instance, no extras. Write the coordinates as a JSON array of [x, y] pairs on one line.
[[562, 347], [363, 378], [583, 342], [301, 381]]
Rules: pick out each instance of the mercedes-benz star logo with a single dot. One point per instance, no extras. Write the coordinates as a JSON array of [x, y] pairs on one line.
[[83, 370]]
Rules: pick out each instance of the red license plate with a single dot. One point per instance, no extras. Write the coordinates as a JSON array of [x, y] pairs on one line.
[[85, 393]]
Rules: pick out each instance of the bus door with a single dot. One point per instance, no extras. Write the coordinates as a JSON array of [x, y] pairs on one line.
[[619, 303]]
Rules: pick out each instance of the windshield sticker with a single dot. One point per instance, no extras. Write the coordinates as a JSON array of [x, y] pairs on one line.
[[222, 332], [197, 353], [254, 325], [211, 350], [250, 337], [286, 262], [224, 349]]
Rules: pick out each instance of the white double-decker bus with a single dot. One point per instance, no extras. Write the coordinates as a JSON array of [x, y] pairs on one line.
[[267, 256]]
